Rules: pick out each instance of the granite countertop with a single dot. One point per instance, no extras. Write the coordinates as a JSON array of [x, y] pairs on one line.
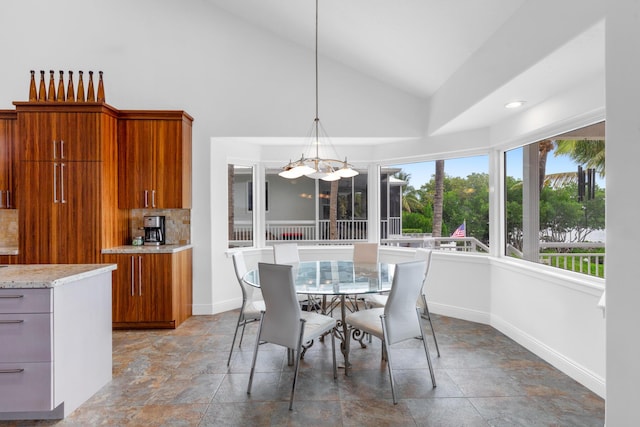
[[8, 250], [146, 249], [48, 275]]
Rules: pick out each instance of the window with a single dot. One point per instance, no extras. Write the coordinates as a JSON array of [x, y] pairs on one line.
[[300, 209], [554, 201], [408, 201], [250, 196], [351, 208], [240, 182]]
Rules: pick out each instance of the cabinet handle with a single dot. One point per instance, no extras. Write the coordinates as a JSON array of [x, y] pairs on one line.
[[55, 183], [62, 149], [146, 198], [8, 198], [1, 200], [54, 149], [62, 199], [11, 371], [140, 275], [11, 296], [153, 198], [133, 277], [3, 322]]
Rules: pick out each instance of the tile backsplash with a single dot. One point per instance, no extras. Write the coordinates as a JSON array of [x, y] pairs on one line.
[[8, 228], [177, 224]]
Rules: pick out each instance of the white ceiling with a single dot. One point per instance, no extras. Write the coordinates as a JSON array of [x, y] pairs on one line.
[[418, 45]]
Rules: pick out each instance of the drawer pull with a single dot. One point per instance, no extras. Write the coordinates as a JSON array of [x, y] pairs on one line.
[[11, 371], [11, 296], [11, 321]]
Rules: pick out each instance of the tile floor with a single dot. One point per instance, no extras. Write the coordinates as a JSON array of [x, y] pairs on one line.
[[180, 378]]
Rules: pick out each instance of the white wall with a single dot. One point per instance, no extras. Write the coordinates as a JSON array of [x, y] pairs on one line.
[[623, 205], [554, 314]]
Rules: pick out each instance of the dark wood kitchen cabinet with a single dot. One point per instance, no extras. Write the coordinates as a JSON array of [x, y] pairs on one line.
[[154, 154], [151, 290], [7, 159], [67, 180]]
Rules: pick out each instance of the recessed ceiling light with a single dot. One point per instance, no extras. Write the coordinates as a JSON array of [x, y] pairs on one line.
[[514, 104]]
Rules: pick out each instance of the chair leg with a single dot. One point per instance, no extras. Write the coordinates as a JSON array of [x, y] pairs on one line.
[[347, 348], [255, 354], [333, 350], [427, 314], [235, 334], [426, 350], [297, 367], [385, 341]]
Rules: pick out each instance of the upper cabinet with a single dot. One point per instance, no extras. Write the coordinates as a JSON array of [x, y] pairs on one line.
[[70, 132], [7, 159], [154, 157], [67, 178]]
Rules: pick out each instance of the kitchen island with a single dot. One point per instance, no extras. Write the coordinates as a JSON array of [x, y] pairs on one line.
[[55, 329]]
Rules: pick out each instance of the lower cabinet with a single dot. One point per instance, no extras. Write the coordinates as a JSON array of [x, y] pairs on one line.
[[55, 347], [151, 290], [8, 259]]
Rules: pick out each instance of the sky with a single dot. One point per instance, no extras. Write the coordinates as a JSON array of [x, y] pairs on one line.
[[462, 167]]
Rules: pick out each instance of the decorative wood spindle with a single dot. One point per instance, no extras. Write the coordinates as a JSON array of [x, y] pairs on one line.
[[42, 91], [91, 96], [33, 94], [60, 97], [71, 96], [100, 95], [51, 95], [80, 88]]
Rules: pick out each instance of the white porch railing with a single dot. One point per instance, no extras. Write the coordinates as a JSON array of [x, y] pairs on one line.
[[353, 231]]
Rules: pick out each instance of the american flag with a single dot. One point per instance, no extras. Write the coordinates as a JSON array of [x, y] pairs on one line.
[[460, 231]]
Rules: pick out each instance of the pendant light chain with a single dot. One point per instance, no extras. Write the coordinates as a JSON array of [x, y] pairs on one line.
[[317, 119], [328, 169]]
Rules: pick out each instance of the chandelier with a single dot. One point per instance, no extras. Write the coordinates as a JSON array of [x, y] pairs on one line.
[[312, 165]]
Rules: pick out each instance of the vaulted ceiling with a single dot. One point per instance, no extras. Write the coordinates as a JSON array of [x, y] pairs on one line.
[[474, 56]]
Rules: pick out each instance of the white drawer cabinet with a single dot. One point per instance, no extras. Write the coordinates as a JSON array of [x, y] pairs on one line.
[[26, 337], [55, 347], [26, 301], [26, 386], [26, 353]]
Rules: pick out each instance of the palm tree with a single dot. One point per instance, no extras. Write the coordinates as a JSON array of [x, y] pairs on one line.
[[438, 199], [589, 153], [333, 211]]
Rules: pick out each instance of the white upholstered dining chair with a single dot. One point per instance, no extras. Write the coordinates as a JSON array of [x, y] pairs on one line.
[[379, 300], [399, 320], [286, 253], [284, 323], [365, 253], [252, 304]]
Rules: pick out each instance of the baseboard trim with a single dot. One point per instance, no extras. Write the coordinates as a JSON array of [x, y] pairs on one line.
[[584, 376]]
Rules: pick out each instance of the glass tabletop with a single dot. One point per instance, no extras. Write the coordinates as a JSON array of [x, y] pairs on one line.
[[336, 277]]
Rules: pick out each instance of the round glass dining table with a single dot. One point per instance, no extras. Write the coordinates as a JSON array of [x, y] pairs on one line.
[[342, 279]]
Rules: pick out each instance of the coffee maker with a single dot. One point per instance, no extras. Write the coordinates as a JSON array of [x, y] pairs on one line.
[[154, 230]]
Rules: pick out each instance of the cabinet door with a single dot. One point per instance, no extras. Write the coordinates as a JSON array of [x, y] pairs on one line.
[[124, 297], [37, 214], [7, 161], [77, 136], [136, 160], [172, 158], [57, 136], [60, 217], [37, 136], [78, 228], [154, 287]]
